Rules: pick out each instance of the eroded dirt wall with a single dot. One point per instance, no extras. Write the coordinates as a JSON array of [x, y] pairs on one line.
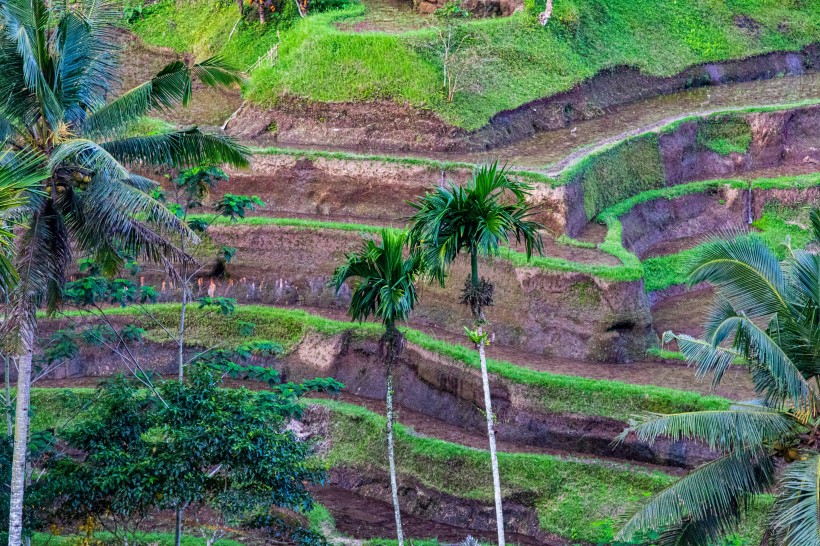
[[562, 314], [426, 382], [779, 138], [694, 216]]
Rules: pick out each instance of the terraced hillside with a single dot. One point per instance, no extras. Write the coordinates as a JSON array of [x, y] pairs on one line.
[[642, 130], [577, 330]]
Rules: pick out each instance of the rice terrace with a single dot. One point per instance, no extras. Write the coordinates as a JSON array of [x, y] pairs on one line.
[[410, 272]]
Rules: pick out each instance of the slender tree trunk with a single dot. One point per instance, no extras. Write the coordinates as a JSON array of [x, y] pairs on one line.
[[391, 455], [181, 338], [7, 362], [21, 418], [488, 405], [178, 528], [9, 421], [241, 5]]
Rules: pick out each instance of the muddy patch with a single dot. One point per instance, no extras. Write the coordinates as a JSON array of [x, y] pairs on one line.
[[360, 504]]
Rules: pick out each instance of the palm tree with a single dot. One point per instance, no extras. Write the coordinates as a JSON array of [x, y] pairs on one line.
[[386, 290], [767, 315], [58, 65], [477, 219]]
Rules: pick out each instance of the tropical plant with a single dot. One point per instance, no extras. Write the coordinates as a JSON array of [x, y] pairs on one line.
[[19, 173], [767, 315], [385, 289], [490, 210], [226, 454], [58, 65], [190, 191]]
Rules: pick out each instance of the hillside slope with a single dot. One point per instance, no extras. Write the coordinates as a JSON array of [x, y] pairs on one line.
[[515, 60]]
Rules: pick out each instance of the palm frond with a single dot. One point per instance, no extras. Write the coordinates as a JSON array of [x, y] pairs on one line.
[[87, 52], [385, 279], [179, 149], [796, 514], [26, 23], [745, 272], [170, 88], [712, 498], [708, 358], [105, 221], [89, 155], [724, 430]]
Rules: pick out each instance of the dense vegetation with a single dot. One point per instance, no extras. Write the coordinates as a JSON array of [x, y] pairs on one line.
[[521, 61]]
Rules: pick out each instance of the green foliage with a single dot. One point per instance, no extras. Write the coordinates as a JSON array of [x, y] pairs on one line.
[[489, 211], [384, 280], [627, 168], [197, 183], [725, 134], [523, 61], [235, 207], [224, 453]]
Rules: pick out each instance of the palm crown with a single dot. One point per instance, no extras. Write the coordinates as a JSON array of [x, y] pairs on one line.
[[385, 279], [477, 217], [767, 315], [58, 65]]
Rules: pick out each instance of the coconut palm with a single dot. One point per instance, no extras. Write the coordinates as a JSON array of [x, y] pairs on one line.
[[767, 315], [478, 218], [385, 289], [58, 65]]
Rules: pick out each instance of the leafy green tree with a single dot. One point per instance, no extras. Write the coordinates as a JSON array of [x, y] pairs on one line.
[[767, 315], [385, 289], [477, 218], [58, 64], [226, 453]]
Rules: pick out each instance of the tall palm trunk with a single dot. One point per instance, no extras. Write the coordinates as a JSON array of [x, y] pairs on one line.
[[392, 344], [21, 422], [488, 405], [9, 413], [181, 340]]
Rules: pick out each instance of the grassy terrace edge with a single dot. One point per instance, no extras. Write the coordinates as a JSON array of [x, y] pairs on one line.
[[556, 393], [562, 490], [618, 273], [662, 272], [566, 176]]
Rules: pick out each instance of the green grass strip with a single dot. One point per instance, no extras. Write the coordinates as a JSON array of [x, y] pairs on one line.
[[556, 393], [569, 496], [624, 273]]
